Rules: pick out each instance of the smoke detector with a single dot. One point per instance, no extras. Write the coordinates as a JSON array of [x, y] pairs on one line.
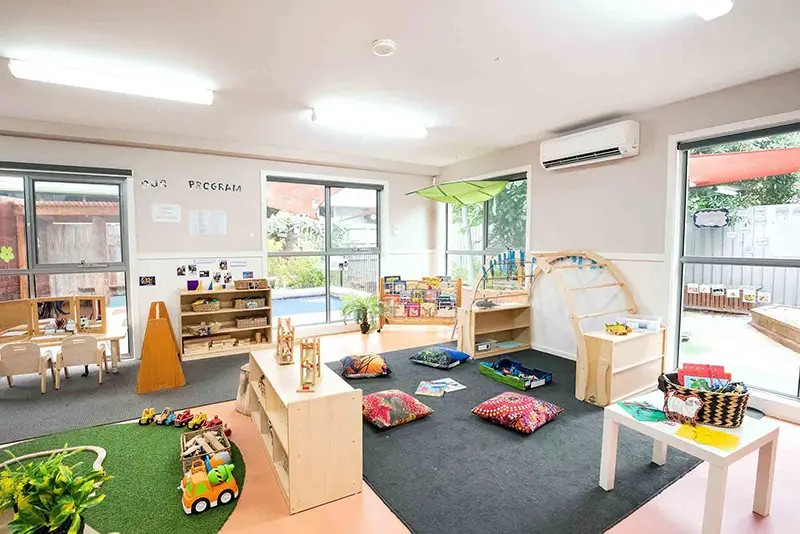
[[383, 47]]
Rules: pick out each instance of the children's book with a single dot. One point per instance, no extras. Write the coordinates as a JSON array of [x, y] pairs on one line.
[[449, 384], [430, 389]]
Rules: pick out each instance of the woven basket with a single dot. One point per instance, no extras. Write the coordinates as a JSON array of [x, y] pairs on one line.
[[203, 329], [205, 306], [242, 304], [251, 322], [251, 283], [725, 410]]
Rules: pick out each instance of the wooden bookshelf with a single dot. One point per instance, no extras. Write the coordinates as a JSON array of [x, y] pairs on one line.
[[313, 439], [229, 339], [511, 322]]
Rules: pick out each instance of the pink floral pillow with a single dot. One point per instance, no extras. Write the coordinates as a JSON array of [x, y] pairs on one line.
[[392, 407], [517, 411]]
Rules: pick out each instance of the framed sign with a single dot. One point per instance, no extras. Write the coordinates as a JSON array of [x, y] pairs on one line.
[[712, 218]]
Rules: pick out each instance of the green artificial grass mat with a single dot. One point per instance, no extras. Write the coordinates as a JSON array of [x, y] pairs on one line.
[[144, 496]]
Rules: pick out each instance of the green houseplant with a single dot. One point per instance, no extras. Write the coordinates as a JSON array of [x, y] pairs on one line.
[[48, 496], [365, 310]]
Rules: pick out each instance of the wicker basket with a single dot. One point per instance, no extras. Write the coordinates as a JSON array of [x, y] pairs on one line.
[[251, 283], [243, 304], [203, 329], [251, 322], [205, 306], [725, 410]]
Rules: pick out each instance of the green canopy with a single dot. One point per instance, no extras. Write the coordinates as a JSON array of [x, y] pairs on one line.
[[464, 192]]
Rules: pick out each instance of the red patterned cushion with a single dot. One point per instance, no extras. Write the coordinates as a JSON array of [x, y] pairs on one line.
[[517, 411], [392, 407]]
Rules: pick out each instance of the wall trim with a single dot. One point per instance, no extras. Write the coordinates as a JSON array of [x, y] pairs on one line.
[[555, 352], [200, 255]]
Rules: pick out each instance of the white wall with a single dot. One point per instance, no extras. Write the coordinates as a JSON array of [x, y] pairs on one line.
[[619, 209], [408, 240]]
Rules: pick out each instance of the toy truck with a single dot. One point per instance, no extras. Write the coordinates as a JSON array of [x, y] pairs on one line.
[[183, 418], [163, 417], [197, 421], [203, 490], [148, 414]]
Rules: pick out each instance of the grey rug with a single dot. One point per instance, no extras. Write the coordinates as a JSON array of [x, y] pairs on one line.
[[453, 472], [26, 413]]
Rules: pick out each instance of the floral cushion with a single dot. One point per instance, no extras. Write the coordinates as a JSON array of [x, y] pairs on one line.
[[439, 358], [364, 366], [392, 407], [519, 412]]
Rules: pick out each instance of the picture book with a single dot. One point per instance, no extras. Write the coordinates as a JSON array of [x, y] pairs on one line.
[[417, 295], [400, 288], [430, 389], [432, 282], [431, 295], [703, 376], [413, 309], [427, 309], [449, 384]]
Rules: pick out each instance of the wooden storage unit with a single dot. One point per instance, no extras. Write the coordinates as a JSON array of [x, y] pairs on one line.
[[511, 322], [313, 439], [229, 338], [621, 366]]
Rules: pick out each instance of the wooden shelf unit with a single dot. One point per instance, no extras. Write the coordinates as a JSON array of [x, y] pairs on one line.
[[313, 439], [510, 322], [193, 346]]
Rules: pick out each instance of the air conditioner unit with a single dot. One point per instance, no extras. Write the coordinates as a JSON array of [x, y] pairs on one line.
[[615, 141]]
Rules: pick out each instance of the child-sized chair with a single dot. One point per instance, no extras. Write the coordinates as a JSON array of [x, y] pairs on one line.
[[80, 350], [24, 358]]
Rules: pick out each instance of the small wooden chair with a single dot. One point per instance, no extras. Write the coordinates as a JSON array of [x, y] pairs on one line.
[[80, 350], [24, 358]]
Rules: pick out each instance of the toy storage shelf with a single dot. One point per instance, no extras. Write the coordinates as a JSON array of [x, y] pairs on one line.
[[229, 339], [313, 439], [510, 322]]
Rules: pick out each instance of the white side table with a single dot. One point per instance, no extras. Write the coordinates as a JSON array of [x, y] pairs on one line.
[[754, 434]]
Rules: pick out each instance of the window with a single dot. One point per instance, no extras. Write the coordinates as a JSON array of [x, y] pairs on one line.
[[480, 230], [63, 234], [741, 257], [323, 244]]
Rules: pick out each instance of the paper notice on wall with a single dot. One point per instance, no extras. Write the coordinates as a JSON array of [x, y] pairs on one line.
[[764, 297], [693, 288], [732, 235], [208, 222], [781, 213], [705, 289], [166, 213], [732, 292], [238, 263], [718, 290], [795, 211], [748, 251], [749, 295], [760, 213], [762, 241]]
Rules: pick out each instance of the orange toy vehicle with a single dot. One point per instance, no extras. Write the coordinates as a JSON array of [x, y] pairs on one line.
[[203, 490]]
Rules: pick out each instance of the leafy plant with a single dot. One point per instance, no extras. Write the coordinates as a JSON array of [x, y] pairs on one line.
[[364, 310], [48, 496]]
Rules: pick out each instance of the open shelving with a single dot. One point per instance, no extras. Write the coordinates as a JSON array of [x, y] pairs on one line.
[[503, 323]]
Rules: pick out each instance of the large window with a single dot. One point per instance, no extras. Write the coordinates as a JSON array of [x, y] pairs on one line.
[[741, 258], [480, 230], [323, 244], [63, 234]]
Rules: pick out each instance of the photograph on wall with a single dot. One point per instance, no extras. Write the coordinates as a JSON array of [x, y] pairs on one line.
[[748, 295], [181, 270], [247, 274], [192, 269], [228, 277], [763, 297], [732, 292], [223, 265], [203, 274], [147, 280], [217, 277], [718, 290]]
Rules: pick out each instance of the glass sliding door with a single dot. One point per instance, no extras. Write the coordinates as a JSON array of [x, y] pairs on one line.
[[323, 244], [740, 291]]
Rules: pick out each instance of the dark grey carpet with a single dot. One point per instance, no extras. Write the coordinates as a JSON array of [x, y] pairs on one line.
[[454, 473], [26, 413]]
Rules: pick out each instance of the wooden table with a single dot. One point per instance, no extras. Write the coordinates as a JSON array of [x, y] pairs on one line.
[[113, 338], [755, 435]]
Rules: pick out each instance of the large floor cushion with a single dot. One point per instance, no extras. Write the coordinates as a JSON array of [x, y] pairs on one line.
[[517, 411], [439, 357], [364, 366], [392, 407]]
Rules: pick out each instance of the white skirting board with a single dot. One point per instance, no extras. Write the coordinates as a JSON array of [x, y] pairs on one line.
[[555, 352]]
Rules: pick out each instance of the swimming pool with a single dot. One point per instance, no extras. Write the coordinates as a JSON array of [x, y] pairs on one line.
[[284, 307]]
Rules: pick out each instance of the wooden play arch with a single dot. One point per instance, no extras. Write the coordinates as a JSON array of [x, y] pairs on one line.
[[511, 277]]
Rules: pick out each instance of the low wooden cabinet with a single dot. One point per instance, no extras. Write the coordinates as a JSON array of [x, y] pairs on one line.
[[313, 439], [509, 324], [621, 366]]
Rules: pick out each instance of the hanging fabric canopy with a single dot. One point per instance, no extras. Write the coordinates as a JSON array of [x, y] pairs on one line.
[[464, 192], [713, 169]]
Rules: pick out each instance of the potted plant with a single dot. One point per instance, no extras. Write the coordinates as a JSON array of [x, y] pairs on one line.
[[48, 496], [365, 310]]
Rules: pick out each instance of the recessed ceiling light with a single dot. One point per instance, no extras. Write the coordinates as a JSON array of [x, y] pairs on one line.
[[712, 9], [383, 47], [155, 87], [369, 120]]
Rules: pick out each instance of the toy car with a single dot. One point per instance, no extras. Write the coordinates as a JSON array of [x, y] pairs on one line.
[[217, 421], [170, 419], [161, 419], [183, 418], [197, 421], [148, 414], [203, 490]]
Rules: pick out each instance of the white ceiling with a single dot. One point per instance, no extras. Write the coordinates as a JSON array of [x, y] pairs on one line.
[[488, 74]]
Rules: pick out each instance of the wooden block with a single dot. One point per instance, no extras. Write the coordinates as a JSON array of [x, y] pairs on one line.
[[160, 368], [212, 439], [206, 447]]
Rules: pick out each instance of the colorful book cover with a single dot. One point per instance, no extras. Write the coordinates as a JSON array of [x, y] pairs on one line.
[[413, 309], [430, 389], [431, 295], [432, 282], [400, 288], [417, 295], [449, 384], [428, 309]]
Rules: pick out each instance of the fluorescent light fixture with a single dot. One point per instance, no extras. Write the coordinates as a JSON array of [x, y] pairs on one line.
[[370, 121], [712, 9], [727, 190], [152, 87]]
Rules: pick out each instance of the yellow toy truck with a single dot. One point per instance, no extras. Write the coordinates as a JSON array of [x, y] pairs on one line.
[[203, 490]]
